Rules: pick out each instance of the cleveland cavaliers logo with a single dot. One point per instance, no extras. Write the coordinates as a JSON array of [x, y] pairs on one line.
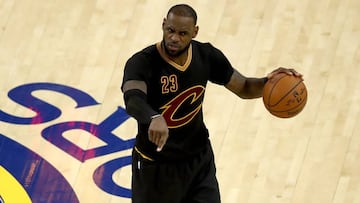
[[188, 97]]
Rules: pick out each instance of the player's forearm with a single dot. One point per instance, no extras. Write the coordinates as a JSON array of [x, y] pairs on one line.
[[245, 87], [253, 88], [137, 106]]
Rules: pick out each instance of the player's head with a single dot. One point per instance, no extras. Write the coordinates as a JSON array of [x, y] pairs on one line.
[[179, 28], [183, 10]]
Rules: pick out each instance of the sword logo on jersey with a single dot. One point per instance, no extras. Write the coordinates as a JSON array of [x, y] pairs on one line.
[[187, 98]]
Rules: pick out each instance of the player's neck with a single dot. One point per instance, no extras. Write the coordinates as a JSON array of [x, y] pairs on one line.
[[179, 63], [180, 59]]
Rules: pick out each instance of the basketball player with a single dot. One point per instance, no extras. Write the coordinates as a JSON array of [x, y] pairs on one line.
[[164, 87]]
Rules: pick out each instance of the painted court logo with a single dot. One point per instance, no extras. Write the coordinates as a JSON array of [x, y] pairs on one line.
[[27, 177]]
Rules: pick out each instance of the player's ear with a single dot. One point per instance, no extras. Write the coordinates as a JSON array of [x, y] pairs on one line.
[[163, 23], [196, 30]]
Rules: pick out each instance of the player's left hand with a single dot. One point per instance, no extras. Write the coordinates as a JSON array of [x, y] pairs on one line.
[[289, 71]]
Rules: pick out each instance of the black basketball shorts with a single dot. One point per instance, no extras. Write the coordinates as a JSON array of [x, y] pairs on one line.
[[191, 181]]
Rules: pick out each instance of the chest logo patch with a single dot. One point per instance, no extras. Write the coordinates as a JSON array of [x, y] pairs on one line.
[[186, 100]]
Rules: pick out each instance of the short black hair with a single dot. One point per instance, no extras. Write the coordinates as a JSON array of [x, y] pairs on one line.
[[183, 10]]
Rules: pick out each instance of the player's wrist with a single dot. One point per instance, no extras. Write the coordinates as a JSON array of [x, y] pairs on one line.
[[265, 79], [154, 116]]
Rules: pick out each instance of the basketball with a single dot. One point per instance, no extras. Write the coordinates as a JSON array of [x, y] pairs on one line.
[[284, 95]]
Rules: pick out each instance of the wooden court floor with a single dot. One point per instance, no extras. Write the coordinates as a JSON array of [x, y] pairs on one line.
[[64, 136]]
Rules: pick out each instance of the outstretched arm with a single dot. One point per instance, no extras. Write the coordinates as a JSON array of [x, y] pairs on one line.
[[245, 87], [250, 88], [135, 94]]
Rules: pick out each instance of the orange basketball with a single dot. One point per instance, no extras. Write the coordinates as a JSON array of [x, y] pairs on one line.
[[284, 95]]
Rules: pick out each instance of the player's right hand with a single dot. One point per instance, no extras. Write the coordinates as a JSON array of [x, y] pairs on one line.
[[158, 132]]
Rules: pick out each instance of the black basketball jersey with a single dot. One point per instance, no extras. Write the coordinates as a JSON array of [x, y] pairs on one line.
[[177, 92]]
